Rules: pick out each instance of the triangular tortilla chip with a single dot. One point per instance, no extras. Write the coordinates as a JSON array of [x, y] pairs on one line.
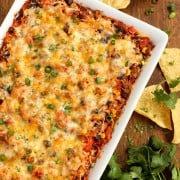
[[118, 4], [156, 111], [176, 123], [170, 65]]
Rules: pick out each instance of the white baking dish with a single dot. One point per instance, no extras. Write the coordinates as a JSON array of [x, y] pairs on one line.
[[158, 37]]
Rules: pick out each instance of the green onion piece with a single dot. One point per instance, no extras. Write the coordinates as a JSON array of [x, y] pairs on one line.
[[57, 19], [39, 15], [113, 42], [28, 151], [3, 157], [50, 106], [91, 60], [70, 151], [100, 58], [73, 48], [63, 86], [54, 73], [130, 141], [9, 89], [27, 81], [57, 161], [99, 80], [54, 128], [171, 7], [75, 19], [3, 73], [48, 69], [115, 36], [149, 11], [53, 47], [172, 15], [30, 168], [91, 72], [109, 117], [36, 50], [126, 63], [67, 108], [69, 63], [37, 67], [10, 132], [38, 37], [11, 67], [1, 121], [35, 136]]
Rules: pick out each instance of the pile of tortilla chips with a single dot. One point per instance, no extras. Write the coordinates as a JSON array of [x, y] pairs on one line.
[[157, 111], [118, 4]]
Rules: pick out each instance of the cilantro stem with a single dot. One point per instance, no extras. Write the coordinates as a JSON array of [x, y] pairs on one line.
[[164, 178], [159, 177], [148, 158]]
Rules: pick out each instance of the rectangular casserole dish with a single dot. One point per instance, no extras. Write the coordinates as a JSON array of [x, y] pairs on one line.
[[159, 39]]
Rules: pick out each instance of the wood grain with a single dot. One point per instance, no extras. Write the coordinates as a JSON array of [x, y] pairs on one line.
[[159, 19], [4, 7]]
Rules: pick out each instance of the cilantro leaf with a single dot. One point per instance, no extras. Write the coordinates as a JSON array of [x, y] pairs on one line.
[[174, 82], [159, 161], [155, 143], [115, 171], [136, 172], [137, 155], [175, 173], [145, 162], [169, 100], [125, 176], [171, 150]]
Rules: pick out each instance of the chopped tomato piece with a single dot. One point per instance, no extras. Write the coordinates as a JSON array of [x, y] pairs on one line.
[[108, 133], [38, 173], [89, 144], [119, 85], [132, 30], [46, 1], [61, 119], [16, 23], [144, 41]]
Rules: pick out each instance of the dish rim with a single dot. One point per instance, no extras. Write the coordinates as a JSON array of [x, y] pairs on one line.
[[159, 39]]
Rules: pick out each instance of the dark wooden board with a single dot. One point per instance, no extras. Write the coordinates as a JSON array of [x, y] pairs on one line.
[[159, 19]]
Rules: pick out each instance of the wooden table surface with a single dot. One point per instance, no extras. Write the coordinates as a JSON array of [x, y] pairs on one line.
[[159, 19]]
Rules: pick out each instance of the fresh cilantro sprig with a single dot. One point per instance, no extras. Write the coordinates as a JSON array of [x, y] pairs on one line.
[[169, 100], [173, 83], [145, 162], [115, 170]]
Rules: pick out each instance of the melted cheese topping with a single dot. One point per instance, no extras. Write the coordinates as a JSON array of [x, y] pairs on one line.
[[60, 71]]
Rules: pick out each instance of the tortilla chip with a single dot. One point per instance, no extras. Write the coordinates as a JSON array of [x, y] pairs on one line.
[[176, 123], [156, 111], [118, 4], [170, 65]]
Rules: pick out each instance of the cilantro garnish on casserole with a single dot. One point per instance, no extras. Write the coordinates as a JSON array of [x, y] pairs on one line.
[[66, 73]]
